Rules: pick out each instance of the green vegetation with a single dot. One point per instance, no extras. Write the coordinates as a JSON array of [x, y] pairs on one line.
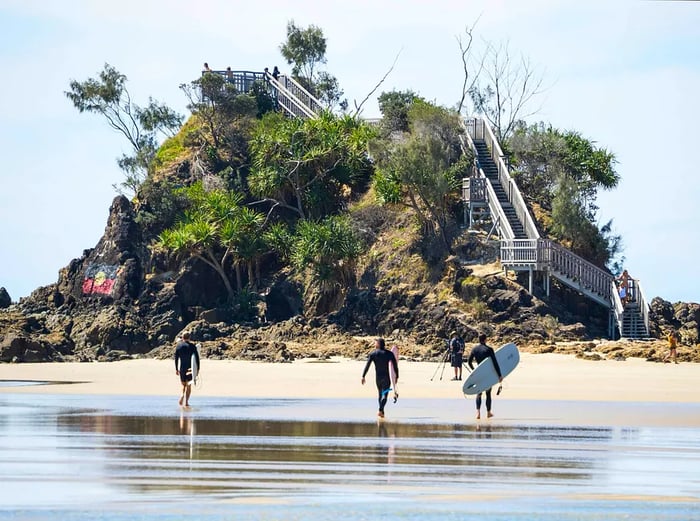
[[562, 172], [107, 95], [216, 228], [308, 166], [250, 192], [423, 169], [329, 249], [304, 50]]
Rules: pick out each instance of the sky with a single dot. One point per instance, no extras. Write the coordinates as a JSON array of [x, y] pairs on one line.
[[626, 75]]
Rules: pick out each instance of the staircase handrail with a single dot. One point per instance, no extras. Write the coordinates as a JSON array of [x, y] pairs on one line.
[[643, 305], [301, 108], [618, 308], [507, 182], [589, 276], [299, 92], [495, 208], [521, 252], [506, 231]]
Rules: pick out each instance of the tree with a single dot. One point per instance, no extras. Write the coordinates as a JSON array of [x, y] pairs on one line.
[[308, 166], [305, 50], [328, 249], [219, 106], [394, 107], [423, 170], [501, 87], [563, 171], [107, 95], [216, 229]]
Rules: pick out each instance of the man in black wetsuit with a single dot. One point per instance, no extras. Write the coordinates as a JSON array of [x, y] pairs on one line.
[[183, 366], [480, 353], [381, 358]]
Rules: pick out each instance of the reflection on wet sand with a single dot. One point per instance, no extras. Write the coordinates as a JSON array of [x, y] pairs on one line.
[[151, 458]]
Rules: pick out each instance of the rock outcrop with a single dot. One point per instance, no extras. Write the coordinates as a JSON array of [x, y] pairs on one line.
[[120, 300], [5, 300]]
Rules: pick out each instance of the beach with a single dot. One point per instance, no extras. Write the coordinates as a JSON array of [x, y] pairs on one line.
[[301, 440], [625, 385]]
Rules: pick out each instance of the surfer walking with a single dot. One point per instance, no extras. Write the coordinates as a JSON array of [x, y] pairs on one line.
[[479, 353], [184, 352], [381, 359]]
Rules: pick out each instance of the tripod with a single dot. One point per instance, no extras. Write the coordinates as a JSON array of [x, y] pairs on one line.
[[442, 364]]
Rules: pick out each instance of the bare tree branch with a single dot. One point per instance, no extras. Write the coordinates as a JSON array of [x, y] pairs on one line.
[[358, 108], [465, 50]]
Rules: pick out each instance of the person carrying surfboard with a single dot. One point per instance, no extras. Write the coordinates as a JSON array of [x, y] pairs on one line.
[[184, 352], [479, 353], [381, 358], [456, 347]]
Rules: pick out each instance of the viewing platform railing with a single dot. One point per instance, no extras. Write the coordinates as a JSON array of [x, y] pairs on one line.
[[289, 95]]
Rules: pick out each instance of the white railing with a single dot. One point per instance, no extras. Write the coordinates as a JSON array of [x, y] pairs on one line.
[[520, 252], [478, 129], [586, 274], [643, 306], [288, 100], [497, 214], [299, 92], [543, 254]]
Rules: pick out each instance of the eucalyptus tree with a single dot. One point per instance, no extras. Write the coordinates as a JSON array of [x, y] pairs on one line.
[[108, 96], [308, 167]]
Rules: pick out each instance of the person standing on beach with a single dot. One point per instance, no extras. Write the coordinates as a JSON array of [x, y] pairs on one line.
[[381, 358], [183, 366], [456, 347], [481, 352], [672, 347]]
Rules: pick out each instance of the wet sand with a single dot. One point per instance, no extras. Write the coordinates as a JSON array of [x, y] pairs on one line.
[[552, 388], [570, 438]]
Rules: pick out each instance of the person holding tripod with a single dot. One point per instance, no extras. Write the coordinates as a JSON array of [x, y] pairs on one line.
[[456, 348]]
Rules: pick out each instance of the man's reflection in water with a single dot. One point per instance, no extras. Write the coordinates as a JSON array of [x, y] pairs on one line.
[[390, 449], [187, 427], [483, 431]]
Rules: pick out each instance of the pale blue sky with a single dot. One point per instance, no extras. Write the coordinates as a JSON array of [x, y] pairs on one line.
[[624, 74]]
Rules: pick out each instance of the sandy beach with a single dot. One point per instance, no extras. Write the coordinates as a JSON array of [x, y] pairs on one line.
[[538, 377]]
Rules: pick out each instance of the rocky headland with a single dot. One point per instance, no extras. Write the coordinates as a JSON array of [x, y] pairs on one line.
[[122, 300]]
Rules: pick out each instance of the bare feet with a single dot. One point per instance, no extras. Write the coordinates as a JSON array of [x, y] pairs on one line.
[[489, 414], [478, 415], [380, 414], [180, 401]]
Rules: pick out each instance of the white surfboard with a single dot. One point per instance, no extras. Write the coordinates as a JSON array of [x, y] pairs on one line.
[[484, 376], [195, 369], [392, 373]]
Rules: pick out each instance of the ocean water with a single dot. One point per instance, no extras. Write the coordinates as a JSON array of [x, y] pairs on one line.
[[110, 458]]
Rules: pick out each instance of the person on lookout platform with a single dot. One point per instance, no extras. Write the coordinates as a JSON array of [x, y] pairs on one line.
[[183, 366], [481, 352], [381, 358]]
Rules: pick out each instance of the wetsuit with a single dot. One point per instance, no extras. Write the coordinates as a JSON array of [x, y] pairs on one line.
[[183, 359], [481, 352], [382, 358]]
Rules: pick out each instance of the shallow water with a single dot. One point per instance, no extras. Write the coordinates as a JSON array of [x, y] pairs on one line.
[[107, 457]]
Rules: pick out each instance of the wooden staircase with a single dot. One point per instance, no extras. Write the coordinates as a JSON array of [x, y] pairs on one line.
[[491, 170], [491, 189]]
